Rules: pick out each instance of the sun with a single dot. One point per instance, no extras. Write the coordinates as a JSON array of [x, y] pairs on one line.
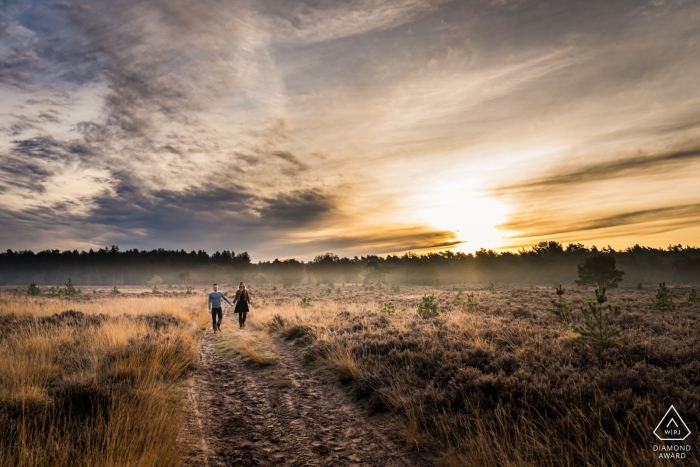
[[470, 213]]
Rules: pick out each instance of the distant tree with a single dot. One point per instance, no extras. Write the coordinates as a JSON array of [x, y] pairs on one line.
[[599, 270], [376, 273], [155, 281], [184, 277], [548, 247]]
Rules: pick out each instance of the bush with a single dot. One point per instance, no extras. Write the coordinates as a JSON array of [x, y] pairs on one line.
[[389, 308], [304, 302], [693, 296], [663, 300], [428, 306], [115, 290], [33, 290]]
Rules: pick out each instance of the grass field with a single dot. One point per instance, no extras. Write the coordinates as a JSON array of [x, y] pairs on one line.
[[493, 379], [502, 382], [94, 382]]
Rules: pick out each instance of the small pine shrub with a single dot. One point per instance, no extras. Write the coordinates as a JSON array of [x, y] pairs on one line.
[[155, 289], [597, 328], [395, 288], [69, 290], [663, 300], [33, 290], [189, 290], [472, 304], [640, 286], [428, 306], [274, 287], [458, 298], [492, 287], [304, 302], [338, 291], [389, 308], [559, 308], [693, 296]]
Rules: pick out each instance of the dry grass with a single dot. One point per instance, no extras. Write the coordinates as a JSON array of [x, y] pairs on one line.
[[252, 346], [97, 386], [504, 386]]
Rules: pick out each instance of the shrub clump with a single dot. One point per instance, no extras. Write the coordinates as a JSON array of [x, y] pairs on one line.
[[559, 308], [33, 290], [663, 300], [597, 328], [428, 307]]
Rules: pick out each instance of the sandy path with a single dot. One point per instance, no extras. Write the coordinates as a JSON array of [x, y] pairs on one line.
[[284, 415]]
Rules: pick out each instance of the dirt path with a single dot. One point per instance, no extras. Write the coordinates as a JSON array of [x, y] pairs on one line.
[[283, 415]]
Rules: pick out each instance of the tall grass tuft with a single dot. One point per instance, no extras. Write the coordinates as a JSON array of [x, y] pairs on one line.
[[96, 387]]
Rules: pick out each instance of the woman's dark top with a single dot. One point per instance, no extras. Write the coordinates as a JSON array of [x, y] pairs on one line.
[[242, 300]]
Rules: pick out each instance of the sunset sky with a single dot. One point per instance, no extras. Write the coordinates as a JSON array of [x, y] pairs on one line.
[[292, 128]]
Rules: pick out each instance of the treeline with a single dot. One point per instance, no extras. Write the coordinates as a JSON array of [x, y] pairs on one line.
[[544, 263]]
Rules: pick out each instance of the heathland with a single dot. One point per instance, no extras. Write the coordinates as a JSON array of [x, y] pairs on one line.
[[483, 375]]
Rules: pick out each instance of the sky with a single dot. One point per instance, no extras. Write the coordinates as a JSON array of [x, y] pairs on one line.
[[292, 128]]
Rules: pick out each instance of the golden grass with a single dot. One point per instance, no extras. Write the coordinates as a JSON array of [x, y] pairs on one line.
[[250, 345], [95, 393]]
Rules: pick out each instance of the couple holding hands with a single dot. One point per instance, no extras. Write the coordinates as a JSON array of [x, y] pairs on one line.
[[241, 302]]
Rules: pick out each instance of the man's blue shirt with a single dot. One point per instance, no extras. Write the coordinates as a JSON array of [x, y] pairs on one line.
[[215, 300]]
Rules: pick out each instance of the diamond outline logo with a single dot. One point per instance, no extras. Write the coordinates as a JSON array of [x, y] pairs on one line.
[[673, 419]]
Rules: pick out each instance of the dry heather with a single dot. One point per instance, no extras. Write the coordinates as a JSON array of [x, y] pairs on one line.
[[506, 385], [94, 382]]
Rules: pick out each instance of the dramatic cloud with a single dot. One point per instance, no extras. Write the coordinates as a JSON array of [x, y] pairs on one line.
[[291, 128]]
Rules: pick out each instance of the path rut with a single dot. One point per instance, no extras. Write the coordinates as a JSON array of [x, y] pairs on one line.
[[283, 415]]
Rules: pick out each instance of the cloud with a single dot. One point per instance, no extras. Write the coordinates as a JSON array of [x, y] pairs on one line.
[[664, 219], [640, 165], [300, 207], [310, 21], [197, 123], [379, 240]]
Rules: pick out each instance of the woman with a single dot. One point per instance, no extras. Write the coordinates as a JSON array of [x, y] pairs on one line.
[[241, 303]]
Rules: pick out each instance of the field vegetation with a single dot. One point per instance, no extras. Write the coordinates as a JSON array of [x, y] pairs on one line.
[[491, 376], [95, 381]]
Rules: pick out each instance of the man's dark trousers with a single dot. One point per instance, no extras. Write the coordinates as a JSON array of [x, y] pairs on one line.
[[216, 312]]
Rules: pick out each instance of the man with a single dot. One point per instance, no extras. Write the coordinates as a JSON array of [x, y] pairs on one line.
[[214, 305]]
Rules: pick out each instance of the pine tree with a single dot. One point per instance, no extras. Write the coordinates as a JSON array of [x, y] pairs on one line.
[[693, 296], [663, 300], [32, 289], [428, 306], [597, 326], [559, 308]]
